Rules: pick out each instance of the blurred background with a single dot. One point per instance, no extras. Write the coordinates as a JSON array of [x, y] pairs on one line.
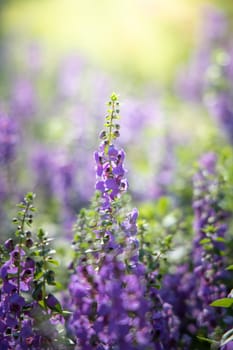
[[61, 59], [141, 40]]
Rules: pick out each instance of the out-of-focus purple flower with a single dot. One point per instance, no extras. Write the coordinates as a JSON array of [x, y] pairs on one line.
[[192, 79], [191, 82], [8, 139], [228, 346], [56, 176], [219, 99], [208, 163], [34, 57], [195, 285], [23, 100], [70, 73], [214, 25], [165, 170], [140, 116]]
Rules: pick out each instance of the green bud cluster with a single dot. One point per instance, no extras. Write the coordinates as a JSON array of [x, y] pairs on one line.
[[112, 127]]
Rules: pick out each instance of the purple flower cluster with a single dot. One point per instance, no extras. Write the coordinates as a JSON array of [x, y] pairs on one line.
[[108, 302], [113, 299], [16, 324], [220, 92], [201, 281], [111, 172], [208, 246], [109, 307], [8, 139], [165, 324], [23, 99], [192, 79], [28, 313], [208, 77], [56, 176]]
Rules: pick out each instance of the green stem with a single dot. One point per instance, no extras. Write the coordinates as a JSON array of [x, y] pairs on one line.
[[111, 120], [19, 261], [20, 246], [44, 281]]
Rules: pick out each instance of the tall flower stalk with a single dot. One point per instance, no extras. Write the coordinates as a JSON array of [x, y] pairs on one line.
[[114, 299], [30, 314], [107, 288], [195, 285]]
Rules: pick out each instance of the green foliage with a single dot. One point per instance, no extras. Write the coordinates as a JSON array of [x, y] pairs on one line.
[[90, 228], [223, 302]]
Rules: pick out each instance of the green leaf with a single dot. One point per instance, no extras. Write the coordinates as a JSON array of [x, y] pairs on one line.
[[11, 275], [33, 209], [57, 308], [39, 275], [162, 205], [21, 205], [114, 97], [59, 285], [205, 240], [223, 302], [41, 233], [229, 268], [210, 341], [65, 341], [48, 239], [66, 313], [220, 239], [53, 261], [52, 251], [30, 196], [209, 229], [42, 304]]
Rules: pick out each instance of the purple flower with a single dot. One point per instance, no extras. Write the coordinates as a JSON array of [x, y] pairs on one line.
[[192, 79], [69, 79], [52, 301], [9, 244], [8, 139], [108, 290], [16, 302], [228, 346], [23, 101], [195, 285]]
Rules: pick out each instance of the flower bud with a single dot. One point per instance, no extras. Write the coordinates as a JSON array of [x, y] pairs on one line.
[[50, 276], [51, 301], [103, 135], [116, 133], [28, 234], [29, 243], [9, 244]]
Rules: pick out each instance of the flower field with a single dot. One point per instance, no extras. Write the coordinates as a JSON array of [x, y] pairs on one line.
[[116, 209]]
